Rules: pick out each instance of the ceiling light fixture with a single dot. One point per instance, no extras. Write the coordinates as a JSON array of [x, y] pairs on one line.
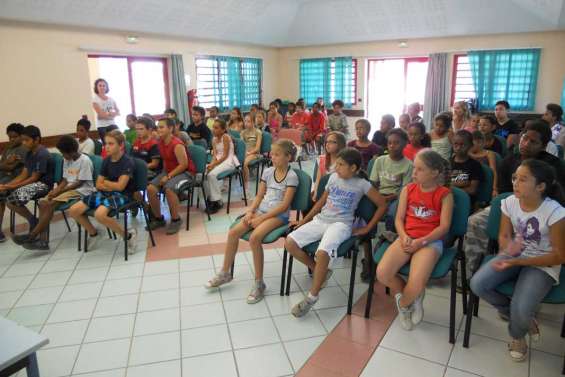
[[131, 39], [403, 44]]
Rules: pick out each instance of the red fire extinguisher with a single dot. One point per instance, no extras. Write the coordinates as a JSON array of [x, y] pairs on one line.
[[192, 100]]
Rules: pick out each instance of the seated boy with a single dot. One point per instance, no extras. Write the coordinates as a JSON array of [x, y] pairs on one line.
[[85, 143], [12, 161], [76, 183], [178, 170], [115, 187], [387, 124], [198, 130], [34, 181], [146, 147], [213, 115]]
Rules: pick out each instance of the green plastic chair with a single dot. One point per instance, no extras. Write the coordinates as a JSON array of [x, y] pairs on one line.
[[504, 145], [264, 159], [237, 171], [365, 210], [234, 134], [199, 157], [453, 250], [370, 165], [97, 147], [140, 184], [559, 151], [300, 202], [128, 147], [484, 191]]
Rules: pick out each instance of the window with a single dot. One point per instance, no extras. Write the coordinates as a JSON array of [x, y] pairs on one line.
[[393, 84], [228, 81], [462, 88], [138, 84], [329, 78], [505, 74]]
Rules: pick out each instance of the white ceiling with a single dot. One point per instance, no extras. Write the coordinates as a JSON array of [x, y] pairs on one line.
[[282, 23]]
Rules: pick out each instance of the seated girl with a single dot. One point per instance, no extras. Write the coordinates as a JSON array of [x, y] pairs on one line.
[[422, 221], [366, 147], [532, 248], [330, 222], [335, 142], [484, 156], [441, 135], [252, 138], [418, 139], [269, 210]]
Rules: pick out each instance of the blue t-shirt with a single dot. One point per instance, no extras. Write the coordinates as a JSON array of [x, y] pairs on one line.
[[343, 197], [113, 170], [40, 162]]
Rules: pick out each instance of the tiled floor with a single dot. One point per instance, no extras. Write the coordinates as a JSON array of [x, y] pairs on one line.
[[151, 316]]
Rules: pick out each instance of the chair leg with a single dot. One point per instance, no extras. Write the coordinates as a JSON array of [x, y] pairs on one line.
[[232, 268], [473, 300], [205, 202], [146, 216], [476, 309], [283, 272], [464, 287], [66, 221], [79, 237], [243, 188], [188, 202], [289, 275], [229, 194], [85, 247], [109, 233], [257, 179], [372, 275], [12, 222], [352, 281], [452, 303], [563, 327], [126, 235]]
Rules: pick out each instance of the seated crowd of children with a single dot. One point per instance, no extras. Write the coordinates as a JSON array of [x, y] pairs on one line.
[[406, 172]]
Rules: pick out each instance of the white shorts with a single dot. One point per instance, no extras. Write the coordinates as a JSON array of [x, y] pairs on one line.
[[330, 235]]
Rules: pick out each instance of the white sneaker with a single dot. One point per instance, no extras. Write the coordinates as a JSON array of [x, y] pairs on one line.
[[405, 314], [92, 241], [132, 242], [418, 305]]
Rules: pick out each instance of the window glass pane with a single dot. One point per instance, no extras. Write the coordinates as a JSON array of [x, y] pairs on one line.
[[148, 86], [115, 72], [416, 75]]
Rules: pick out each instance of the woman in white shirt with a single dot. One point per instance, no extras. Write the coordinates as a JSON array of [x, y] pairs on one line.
[[105, 107]]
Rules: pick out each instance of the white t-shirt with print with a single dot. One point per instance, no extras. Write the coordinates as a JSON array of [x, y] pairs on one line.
[[80, 170], [343, 197], [276, 189], [534, 228]]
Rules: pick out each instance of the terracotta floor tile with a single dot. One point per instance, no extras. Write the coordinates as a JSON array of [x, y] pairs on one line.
[[361, 330], [311, 370], [383, 307], [341, 356]]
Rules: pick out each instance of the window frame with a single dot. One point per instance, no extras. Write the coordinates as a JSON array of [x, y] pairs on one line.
[[135, 58], [454, 72]]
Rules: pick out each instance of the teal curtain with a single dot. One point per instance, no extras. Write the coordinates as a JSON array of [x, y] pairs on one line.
[[180, 100], [314, 79], [251, 73], [343, 81], [238, 82], [505, 74]]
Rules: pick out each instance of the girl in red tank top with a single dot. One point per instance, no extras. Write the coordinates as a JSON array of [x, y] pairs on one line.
[[422, 221]]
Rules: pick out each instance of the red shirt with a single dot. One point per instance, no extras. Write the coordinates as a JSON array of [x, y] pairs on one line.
[[423, 210], [410, 151], [169, 158], [297, 118], [317, 123]]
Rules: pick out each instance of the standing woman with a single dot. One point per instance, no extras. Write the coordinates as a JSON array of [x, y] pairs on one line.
[[105, 107]]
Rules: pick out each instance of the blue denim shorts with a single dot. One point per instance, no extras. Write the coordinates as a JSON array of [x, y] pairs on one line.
[[437, 245], [283, 217]]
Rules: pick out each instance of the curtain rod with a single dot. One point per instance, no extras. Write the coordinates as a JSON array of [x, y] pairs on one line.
[[117, 51]]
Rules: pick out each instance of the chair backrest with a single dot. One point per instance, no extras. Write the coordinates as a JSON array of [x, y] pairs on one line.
[[239, 145], [266, 143], [293, 135], [559, 151], [234, 134], [128, 147], [370, 166], [493, 223], [365, 209], [315, 171], [199, 157], [97, 147], [301, 200], [484, 191], [322, 185], [96, 167], [461, 212], [139, 175], [57, 166], [201, 143], [498, 158], [504, 145]]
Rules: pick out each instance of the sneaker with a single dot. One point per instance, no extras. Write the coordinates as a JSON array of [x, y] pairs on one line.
[[132, 242], [92, 241], [156, 223], [221, 278], [534, 331], [404, 313], [257, 293], [503, 316], [328, 276], [418, 307], [2, 237], [20, 239], [36, 244], [173, 227], [303, 307], [518, 349], [365, 276]]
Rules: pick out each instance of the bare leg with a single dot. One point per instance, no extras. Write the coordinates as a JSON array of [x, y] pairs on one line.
[[392, 261], [152, 193], [22, 211], [46, 211], [299, 254], [173, 200], [101, 215], [77, 212], [256, 242], [231, 246], [421, 267], [320, 272]]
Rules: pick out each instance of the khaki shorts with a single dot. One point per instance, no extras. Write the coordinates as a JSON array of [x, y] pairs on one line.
[[67, 196]]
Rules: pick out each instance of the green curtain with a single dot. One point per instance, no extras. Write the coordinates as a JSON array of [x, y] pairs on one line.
[[343, 81], [239, 82], [180, 100], [314, 79], [505, 74], [251, 73]]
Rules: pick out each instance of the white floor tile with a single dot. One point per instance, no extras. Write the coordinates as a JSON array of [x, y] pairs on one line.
[[273, 284], [109, 328], [81, 291], [436, 310], [94, 260], [385, 363], [195, 278], [545, 365], [52, 279], [273, 361], [125, 271], [159, 300], [167, 368], [550, 340], [20, 269], [202, 315], [551, 312], [107, 373], [157, 321], [331, 297], [417, 342], [121, 287], [218, 364], [279, 305], [253, 333], [197, 263], [30, 315], [240, 310], [57, 362], [486, 357], [65, 333], [205, 340], [59, 265], [108, 306], [450, 372], [305, 281], [291, 328], [271, 269], [240, 259], [198, 295], [160, 282], [331, 317], [17, 283], [161, 267], [237, 290], [489, 324], [72, 311], [299, 351], [39, 296], [8, 299], [102, 355], [155, 348], [91, 275]]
